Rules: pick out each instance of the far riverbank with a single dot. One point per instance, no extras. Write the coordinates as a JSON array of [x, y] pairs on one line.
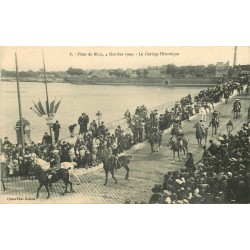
[[168, 82]]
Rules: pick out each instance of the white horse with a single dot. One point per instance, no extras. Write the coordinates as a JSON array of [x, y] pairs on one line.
[[42, 163], [71, 168], [66, 165]]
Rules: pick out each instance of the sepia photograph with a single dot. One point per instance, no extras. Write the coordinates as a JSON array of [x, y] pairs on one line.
[[115, 115], [125, 125]]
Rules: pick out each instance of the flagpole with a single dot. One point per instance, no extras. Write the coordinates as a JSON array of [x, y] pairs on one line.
[[19, 102], [47, 96], [46, 87]]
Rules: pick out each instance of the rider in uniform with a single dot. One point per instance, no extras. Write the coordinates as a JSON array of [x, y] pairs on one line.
[[237, 102], [55, 165], [180, 134], [236, 107]]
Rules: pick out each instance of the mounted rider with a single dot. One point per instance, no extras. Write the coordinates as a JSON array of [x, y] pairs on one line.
[[155, 136], [177, 117], [237, 104], [55, 164], [154, 132], [180, 134], [175, 128], [236, 108]]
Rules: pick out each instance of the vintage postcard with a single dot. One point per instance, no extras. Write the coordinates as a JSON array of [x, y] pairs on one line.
[[125, 125]]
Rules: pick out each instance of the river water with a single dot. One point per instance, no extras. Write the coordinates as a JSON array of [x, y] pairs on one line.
[[111, 101]]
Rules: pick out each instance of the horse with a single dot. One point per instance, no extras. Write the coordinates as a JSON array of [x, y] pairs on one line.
[[205, 134], [70, 166], [236, 110], [123, 161], [155, 138], [40, 169], [215, 124], [199, 133], [183, 145], [174, 145], [111, 163], [176, 127]]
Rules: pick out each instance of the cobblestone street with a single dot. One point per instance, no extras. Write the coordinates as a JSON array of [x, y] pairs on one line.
[[91, 191]]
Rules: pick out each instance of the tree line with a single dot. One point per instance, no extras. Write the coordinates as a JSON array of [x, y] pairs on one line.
[[168, 70]]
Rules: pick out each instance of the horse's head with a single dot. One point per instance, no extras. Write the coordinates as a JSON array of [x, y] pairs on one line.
[[33, 161], [35, 167]]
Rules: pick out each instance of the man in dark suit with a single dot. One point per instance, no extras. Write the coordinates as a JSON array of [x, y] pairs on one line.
[[83, 121], [56, 128], [47, 139]]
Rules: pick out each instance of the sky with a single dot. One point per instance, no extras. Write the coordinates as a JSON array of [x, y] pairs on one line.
[[61, 58]]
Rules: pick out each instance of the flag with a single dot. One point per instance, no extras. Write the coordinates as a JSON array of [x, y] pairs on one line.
[[39, 104], [38, 110], [52, 107], [57, 106], [33, 109]]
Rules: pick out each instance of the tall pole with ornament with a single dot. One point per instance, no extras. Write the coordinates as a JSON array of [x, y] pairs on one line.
[[50, 108], [49, 119]]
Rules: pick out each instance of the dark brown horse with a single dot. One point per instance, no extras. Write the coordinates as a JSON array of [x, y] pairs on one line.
[[155, 138], [199, 133], [111, 163], [174, 145], [183, 145], [42, 176]]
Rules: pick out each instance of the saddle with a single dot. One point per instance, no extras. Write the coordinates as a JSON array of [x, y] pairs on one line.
[[52, 173]]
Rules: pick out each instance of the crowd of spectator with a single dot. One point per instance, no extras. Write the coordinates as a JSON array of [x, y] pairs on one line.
[[222, 175]]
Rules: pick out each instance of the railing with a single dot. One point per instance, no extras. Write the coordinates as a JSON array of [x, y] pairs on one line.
[[161, 109]]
